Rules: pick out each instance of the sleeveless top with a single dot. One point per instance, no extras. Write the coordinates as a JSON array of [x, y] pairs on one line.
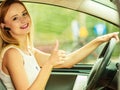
[[30, 64]]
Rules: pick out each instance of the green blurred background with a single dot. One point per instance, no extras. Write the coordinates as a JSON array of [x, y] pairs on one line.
[[51, 23]]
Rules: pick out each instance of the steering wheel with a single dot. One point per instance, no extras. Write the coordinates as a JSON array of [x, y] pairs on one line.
[[100, 65]]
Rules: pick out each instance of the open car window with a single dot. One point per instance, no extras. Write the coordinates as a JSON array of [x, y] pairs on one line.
[[73, 23], [73, 29]]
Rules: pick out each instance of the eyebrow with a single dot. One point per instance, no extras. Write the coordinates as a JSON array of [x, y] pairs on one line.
[[24, 11], [17, 14]]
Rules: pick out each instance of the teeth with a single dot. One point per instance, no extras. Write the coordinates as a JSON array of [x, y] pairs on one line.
[[24, 26]]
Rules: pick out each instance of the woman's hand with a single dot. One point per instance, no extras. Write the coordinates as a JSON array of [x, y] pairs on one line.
[[57, 56], [107, 37]]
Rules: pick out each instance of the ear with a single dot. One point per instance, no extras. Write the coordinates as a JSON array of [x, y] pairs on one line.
[[2, 25]]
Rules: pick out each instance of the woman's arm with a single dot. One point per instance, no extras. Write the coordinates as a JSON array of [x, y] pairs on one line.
[[13, 63], [43, 77], [41, 57], [78, 55]]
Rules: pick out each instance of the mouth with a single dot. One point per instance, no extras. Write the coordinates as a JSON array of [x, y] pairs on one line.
[[25, 26]]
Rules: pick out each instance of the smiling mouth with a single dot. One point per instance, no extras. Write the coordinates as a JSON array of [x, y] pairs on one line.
[[24, 26]]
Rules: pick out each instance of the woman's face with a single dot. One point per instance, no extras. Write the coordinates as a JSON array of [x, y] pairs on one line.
[[18, 20]]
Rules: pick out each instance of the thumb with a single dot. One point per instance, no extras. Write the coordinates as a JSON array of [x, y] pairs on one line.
[[56, 47]]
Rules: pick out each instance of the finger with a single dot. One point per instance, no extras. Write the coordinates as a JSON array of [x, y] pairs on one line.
[[116, 36], [62, 51], [62, 55], [61, 62], [56, 46]]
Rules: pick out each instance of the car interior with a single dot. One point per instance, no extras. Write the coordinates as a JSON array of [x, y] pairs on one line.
[[75, 23]]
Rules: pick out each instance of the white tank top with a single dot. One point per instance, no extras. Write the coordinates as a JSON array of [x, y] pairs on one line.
[[31, 67]]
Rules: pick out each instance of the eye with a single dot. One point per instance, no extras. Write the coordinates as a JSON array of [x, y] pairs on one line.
[[25, 13], [15, 18]]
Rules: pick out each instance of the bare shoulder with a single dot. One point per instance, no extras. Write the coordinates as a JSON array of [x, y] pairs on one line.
[[11, 52], [11, 59], [12, 56]]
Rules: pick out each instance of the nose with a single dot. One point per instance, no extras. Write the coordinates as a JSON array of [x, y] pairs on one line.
[[22, 19]]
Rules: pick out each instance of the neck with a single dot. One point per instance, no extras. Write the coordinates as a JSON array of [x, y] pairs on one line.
[[23, 43], [24, 46]]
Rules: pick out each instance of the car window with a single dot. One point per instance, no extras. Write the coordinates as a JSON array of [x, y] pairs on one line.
[[73, 29]]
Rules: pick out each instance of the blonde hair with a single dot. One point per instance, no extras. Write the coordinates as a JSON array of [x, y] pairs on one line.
[[5, 37]]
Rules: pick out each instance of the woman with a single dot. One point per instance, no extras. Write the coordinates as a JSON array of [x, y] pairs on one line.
[[22, 66]]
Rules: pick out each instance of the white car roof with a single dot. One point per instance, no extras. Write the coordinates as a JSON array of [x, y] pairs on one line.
[[106, 11]]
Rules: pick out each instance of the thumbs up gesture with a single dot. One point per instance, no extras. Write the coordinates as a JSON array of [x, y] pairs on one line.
[[57, 56]]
